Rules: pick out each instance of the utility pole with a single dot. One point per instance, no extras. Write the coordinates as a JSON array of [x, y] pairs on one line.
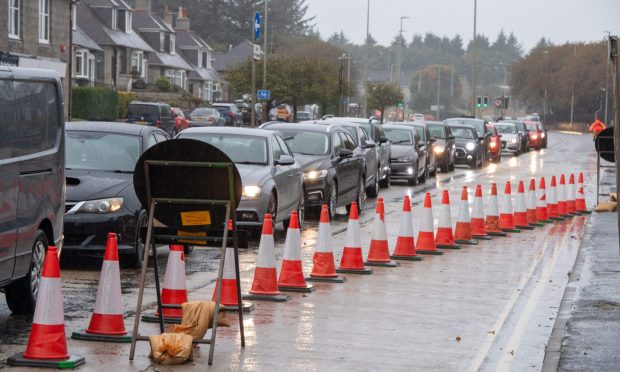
[[572, 93], [400, 57], [343, 102], [473, 65], [614, 60], [265, 53], [438, 87], [366, 59]]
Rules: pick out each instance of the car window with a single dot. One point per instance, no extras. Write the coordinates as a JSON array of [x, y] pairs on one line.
[[417, 137], [165, 111], [150, 141], [370, 130], [8, 128], [145, 112], [305, 143], [363, 136], [421, 133], [241, 149], [399, 136], [463, 133], [347, 141], [276, 150], [284, 146], [506, 128], [353, 132], [102, 151], [427, 133], [436, 130], [379, 131], [336, 143]]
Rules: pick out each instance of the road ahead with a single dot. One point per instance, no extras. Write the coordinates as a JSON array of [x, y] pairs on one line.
[[490, 306]]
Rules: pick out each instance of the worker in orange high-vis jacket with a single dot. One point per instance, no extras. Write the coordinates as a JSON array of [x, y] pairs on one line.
[[597, 127]]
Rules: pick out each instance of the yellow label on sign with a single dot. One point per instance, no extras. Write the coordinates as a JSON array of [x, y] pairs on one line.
[[191, 233], [197, 218]]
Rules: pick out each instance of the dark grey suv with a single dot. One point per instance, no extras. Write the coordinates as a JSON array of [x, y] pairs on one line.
[[156, 114]]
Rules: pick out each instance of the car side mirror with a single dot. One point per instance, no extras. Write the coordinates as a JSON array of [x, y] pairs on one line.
[[421, 143], [368, 144], [432, 139], [345, 154], [481, 138], [451, 136], [285, 160], [499, 135], [383, 139]]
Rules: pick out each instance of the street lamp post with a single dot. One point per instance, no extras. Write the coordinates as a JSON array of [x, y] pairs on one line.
[[399, 57], [473, 65], [366, 59], [344, 56]]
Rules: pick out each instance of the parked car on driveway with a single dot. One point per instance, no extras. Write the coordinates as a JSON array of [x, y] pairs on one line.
[[535, 134], [153, 114], [444, 146], [101, 157], [272, 179], [231, 114], [495, 148], [406, 153], [511, 138], [482, 131], [205, 117], [246, 111], [470, 148], [303, 116], [525, 136], [333, 165], [181, 121]]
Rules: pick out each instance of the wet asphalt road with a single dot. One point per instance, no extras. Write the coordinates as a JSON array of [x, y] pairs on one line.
[[489, 307]]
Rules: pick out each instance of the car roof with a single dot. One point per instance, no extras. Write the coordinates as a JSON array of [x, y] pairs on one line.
[[398, 126], [434, 122], [147, 103], [308, 126], [351, 119], [223, 104], [459, 126], [31, 73], [229, 130], [111, 127]]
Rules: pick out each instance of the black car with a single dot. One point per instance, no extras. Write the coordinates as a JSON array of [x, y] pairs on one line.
[[246, 111], [231, 114], [406, 153], [482, 131], [332, 163], [444, 147], [525, 134], [100, 159], [426, 148], [152, 114], [470, 148]]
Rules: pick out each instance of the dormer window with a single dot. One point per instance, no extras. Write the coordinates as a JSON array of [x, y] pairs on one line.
[[199, 59], [172, 44], [208, 60], [162, 41], [114, 20], [123, 20]]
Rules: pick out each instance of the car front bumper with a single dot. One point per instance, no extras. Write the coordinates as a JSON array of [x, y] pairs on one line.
[[88, 232], [317, 192], [463, 156], [509, 147], [402, 170]]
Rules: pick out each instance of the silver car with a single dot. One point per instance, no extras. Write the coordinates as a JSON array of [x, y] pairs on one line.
[[272, 179], [511, 138]]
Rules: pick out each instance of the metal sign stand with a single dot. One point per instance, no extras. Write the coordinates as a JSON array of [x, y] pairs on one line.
[[153, 239]]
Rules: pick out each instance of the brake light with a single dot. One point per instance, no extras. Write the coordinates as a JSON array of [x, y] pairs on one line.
[[158, 124], [493, 144], [230, 114], [211, 119]]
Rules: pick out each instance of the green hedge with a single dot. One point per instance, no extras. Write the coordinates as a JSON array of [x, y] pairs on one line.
[[94, 103], [124, 99]]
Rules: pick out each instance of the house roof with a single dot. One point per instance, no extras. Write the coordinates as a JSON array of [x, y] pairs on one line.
[[201, 73], [190, 40], [168, 60], [147, 21], [237, 54], [81, 39]]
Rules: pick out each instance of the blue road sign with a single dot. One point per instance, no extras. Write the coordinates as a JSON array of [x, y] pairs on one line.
[[256, 26], [263, 94]]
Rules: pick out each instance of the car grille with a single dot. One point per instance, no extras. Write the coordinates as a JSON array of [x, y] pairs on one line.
[[460, 153]]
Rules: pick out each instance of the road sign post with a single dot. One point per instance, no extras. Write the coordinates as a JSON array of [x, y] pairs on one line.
[[263, 94], [255, 56]]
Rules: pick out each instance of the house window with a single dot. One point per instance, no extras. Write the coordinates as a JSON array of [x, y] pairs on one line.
[[114, 20], [138, 64], [206, 91], [208, 60], [44, 21], [162, 42], [199, 63], [128, 21], [172, 43], [14, 19], [123, 69], [79, 63], [84, 65]]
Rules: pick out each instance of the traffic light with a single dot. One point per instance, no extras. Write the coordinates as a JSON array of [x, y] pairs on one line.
[[479, 102], [506, 101], [486, 102]]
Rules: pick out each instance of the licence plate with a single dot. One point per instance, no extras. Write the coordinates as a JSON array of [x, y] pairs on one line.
[[141, 122]]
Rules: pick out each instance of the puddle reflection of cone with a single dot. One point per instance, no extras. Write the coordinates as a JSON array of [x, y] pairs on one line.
[[532, 218], [506, 216], [229, 299], [571, 195], [405, 245], [426, 235], [478, 228], [292, 275], [379, 252], [562, 210], [324, 267], [520, 213], [265, 283], [580, 199], [552, 201], [107, 323], [47, 344], [462, 232], [352, 261], [444, 237], [492, 218]]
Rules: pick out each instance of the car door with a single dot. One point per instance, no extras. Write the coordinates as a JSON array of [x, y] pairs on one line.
[[294, 179], [167, 121], [282, 177], [450, 143], [384, 155], [431, 148], [370, 155], [354, 166], [421, 150], [343, 167], [9, 176]]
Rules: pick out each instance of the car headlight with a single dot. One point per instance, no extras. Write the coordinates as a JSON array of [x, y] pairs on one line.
[[439, 149], [101, 206], [542, 135], [470, 146], [514, 140], [251, 191], [315, 174], [404, 159], [534, 136]]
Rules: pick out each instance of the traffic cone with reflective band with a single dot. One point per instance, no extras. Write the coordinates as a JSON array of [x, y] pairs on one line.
[[580, 199], [107, 323], [478, 229], [492, 219], [174, 290], [506, 217], [265, 283], [571, 195], [530, 205], [562, 198], [520, 213], [444, 238], [324, 268], [47, 345], [542, 209], [229, 298], [352, 261], [462, 233], [379, 252], [552, 201], [426, 235], [405, 245], [292, 275]]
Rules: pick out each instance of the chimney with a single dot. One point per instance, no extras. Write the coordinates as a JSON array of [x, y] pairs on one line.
[[168, 17], [143, 5], [182, 20]]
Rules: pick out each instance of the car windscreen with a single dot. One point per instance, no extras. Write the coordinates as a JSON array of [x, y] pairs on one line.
[[478, 125], [398, 136], [464, 133], [506, 128], [421, 132], [532, 127], [102, 151], [202, 112], [144, 112], [306, 143], [353, 132], [437, 130], [370, 131], [239, 148]]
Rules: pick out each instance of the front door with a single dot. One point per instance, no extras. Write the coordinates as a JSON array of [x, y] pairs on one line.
[[9, 177]]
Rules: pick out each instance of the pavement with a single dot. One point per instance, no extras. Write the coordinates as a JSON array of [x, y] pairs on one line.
[[487, 307]]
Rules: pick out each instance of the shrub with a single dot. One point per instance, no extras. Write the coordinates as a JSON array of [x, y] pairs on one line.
[[124, 99], [163, 84], [94, 103]]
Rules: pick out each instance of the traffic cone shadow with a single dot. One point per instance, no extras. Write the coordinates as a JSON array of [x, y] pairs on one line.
[[506, 216], [491, 222], [291, 274], [426, 235], [324, 266], [47, 344], [478, 228], [352, 261], [379, 252], [444, 238], [520, 213], [462, 233], [405, 244], [107, 323]]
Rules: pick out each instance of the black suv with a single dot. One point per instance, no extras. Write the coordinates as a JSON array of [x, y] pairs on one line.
[[482, 130], [231, 114], [156, 114]]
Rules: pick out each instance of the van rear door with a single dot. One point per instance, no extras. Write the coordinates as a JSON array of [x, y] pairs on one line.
[[9, 179]]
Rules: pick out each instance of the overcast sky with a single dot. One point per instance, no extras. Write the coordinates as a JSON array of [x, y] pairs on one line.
[[558, 20]]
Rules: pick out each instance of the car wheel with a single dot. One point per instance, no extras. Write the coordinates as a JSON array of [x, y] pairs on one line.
[[361, 196], [434, 172], [387, 181], [333, 199], [474, 163], [452, 165], [424, 175], [21, 295], [373, 192], [272, 207], [301, 209], [135, 259], [414, 178], [187, 249]]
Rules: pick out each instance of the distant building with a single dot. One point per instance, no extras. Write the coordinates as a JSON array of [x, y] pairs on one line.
[[236, 55]]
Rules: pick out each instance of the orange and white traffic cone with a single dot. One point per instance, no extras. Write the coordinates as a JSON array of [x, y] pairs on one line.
[[324, 268], [552, 201], [478, 228], [562, 210], [506, 217], [265, 283], [352, 261], [379, 252], [405, 244], [229, 298], [530, 206], [444, 238], [107, 323], [426, 235], [520, 213], [580, 199], [571, 195], [491, 223], [462, 233], [174, 290], [542, 208], [292, 274], [47, 345]]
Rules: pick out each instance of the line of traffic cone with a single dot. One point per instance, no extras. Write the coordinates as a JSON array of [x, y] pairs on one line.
[[552, 201], [491, 223], [291, 274], [352, 261], [324, 266], [47, 344], [478, 228], [405, 243], [506, 216], [530, 205], [379, 252], [444, 237], [571, 195], [542, 208], [426, 235], [462, 233], [520, 212], [580, 199], [107, 322]]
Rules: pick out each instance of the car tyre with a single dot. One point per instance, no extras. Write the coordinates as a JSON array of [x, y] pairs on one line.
[[373, 192], [386, 182], [272, 207], [434, 172], [21, 295], [134, 259], [424, 175], [361, 197], [333, 199]]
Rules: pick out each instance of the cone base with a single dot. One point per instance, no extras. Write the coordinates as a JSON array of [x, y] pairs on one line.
[[423, 251], [545, 221], [536, 224], [72, 362], [481, 237], [354, 271], [152, 318], [448, 246], [468, 242], [382, 263], [585, 212], [265, 297], [307, 289], [525, 227], [101, 338], [557, 218], [496, 233], [326, 279], [511, 230], [246, 307], [406, 258]]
